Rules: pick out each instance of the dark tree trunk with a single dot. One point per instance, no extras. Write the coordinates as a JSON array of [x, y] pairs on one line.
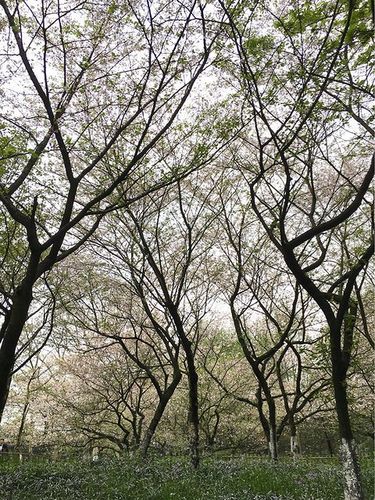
[[163, 401], [193, 415], [17, 319], [22, 425], [211, 436], [269, 425]]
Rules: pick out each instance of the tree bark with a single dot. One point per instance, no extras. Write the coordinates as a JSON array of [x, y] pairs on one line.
[[22, 425], [269, 425], [340, 357], [17, 319], [163, 401], [352, 477], [272, 443], [294, 447], [211, 436], [193, 415]]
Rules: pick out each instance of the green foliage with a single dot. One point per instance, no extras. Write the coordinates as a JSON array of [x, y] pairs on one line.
[[12, 144], [225, 127], [312, 17], [112, 8], [299, 19], [7, 148], [159, 479], [258, 46], [360, 29]]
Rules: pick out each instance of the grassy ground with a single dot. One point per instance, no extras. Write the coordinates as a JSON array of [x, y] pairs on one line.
[[171, 478]]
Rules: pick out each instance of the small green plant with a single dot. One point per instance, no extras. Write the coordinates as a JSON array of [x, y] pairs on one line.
[[173, 478]]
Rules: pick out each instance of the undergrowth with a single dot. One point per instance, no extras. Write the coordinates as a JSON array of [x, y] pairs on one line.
[[173, 478]]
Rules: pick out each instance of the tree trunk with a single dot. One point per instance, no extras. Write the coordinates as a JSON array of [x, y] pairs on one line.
[[272, 443], [17, 319], [269, 425], [352, 477], [163, 401], [193, 414], [212, 435], [351, 469], [340, 351], [22, 425], [294, 447], [193, 417], [95, 454]]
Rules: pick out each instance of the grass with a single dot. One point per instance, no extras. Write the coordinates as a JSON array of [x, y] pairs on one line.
[[172, 478]]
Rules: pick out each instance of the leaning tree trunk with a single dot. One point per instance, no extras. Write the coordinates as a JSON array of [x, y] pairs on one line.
[[22, 425], [163, 401], [11, 334]]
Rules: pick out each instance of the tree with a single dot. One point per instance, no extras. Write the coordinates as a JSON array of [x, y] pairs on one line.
[[111, 308], [272, 319], [171, 260], [99, 88], [157, 255], [297, 149], [106, 399]]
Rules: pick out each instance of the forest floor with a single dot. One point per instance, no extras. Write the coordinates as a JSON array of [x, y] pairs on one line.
[[172, 478]]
